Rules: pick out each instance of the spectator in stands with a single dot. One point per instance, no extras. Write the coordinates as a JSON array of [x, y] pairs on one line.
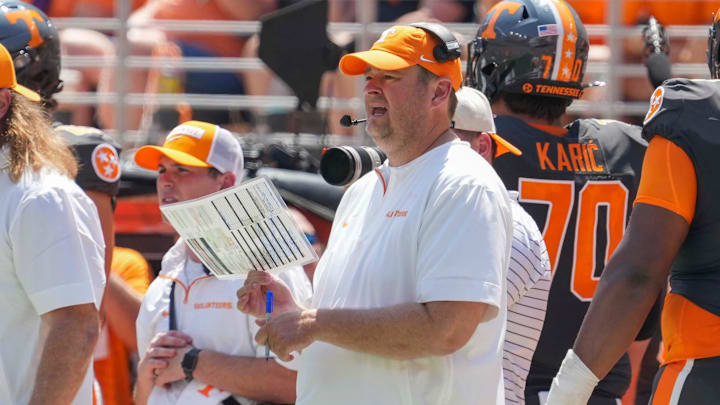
[[637, 12], [145, 40], [87, 43], [81, 8]]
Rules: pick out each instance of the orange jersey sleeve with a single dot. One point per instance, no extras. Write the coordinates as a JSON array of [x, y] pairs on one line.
[[132, 267], [688, 331], [668, 179]]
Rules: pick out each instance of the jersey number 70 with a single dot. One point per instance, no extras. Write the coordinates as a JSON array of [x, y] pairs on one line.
[[559, 195]]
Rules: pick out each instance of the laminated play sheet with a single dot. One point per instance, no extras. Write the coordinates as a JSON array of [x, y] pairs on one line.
[[243, 228]]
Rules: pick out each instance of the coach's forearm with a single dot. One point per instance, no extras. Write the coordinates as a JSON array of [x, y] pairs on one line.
[[403, 331], [251, 377], [70, 342]]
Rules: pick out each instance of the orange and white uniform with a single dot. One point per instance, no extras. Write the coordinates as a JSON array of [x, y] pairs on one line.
[[206, 310]]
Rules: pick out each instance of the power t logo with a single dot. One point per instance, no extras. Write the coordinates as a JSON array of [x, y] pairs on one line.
[[29, 16]]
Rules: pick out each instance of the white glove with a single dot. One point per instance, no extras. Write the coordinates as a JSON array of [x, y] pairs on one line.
[[573, 384]]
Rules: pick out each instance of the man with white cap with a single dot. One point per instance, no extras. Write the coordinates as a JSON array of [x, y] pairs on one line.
[[528, 277], [409, 300], [195, 348]]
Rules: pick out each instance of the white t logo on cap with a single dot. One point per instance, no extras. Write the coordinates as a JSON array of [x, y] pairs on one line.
[[385, 34], [188, 130]]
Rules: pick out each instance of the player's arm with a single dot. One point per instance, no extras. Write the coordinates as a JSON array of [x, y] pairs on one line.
[[634, 277], [635, 274], [120, 307], [71, 335]]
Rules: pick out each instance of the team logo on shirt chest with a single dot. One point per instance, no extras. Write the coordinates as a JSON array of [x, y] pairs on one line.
[[396, 213]]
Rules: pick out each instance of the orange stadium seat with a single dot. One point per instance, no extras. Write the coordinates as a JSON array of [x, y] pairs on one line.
[[668, 12]]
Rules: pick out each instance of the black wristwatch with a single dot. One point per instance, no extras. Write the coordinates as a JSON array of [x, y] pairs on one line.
[[189, 362]]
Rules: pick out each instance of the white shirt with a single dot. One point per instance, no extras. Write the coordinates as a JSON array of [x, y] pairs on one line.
[[206, 310], [527, 290], [51, 256], [419, 240]]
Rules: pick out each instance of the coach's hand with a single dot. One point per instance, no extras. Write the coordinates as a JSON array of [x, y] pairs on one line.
[[288, 332], [251, 297]]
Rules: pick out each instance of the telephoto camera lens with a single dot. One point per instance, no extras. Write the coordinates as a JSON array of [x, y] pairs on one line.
[[342, 165]]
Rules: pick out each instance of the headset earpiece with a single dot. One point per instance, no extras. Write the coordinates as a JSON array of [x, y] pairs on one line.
[[449, 47]]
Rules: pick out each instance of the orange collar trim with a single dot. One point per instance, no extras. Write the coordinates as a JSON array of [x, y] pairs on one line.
[[551, 129]]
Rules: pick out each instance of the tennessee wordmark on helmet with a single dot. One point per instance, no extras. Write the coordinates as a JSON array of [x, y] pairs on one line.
[[529, 47]]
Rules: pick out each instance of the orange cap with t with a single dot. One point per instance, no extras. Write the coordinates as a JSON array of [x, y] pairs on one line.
[[400, 47], [8, 79]]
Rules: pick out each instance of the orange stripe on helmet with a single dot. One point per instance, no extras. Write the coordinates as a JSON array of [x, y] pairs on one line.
[[496, 11], [567, 64]]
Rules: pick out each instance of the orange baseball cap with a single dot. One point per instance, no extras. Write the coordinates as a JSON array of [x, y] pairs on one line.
[[196, 144], [8, 79], [400, 47]]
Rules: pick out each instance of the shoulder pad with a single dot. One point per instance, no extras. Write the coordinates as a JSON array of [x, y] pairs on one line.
[[605, 128], [681, 103]]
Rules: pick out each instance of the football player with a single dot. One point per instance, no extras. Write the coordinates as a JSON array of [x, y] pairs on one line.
[[577, 181], [33, 43], [674, 231]]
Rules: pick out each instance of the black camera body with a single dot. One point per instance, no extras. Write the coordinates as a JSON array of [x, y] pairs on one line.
[[342, 165]]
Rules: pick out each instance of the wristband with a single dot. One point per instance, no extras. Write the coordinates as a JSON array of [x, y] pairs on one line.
[[573, 384], [189, 362]]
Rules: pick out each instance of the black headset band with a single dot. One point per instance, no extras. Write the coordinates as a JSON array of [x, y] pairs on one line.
[[448, 43]]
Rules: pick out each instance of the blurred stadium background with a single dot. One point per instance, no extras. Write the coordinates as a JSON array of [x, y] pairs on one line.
[[137, 68]]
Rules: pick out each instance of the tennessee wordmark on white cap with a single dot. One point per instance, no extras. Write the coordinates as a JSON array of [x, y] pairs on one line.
[[197, 144]]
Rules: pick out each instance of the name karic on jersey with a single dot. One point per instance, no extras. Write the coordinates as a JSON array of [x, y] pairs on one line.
[[577, 157]]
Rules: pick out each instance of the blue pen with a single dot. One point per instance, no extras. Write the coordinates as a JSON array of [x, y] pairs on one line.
[[268, 311]]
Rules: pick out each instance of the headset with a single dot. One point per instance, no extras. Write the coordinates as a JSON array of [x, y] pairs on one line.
[[449, 47]]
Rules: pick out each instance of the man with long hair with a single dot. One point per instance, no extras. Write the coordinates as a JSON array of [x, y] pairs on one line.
[[51, 258]]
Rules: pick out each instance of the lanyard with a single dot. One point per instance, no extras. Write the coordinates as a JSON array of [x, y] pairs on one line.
[[172, 318]]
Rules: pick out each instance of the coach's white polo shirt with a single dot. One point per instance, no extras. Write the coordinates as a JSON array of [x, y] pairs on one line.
[[436, 229], [51, 256]]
